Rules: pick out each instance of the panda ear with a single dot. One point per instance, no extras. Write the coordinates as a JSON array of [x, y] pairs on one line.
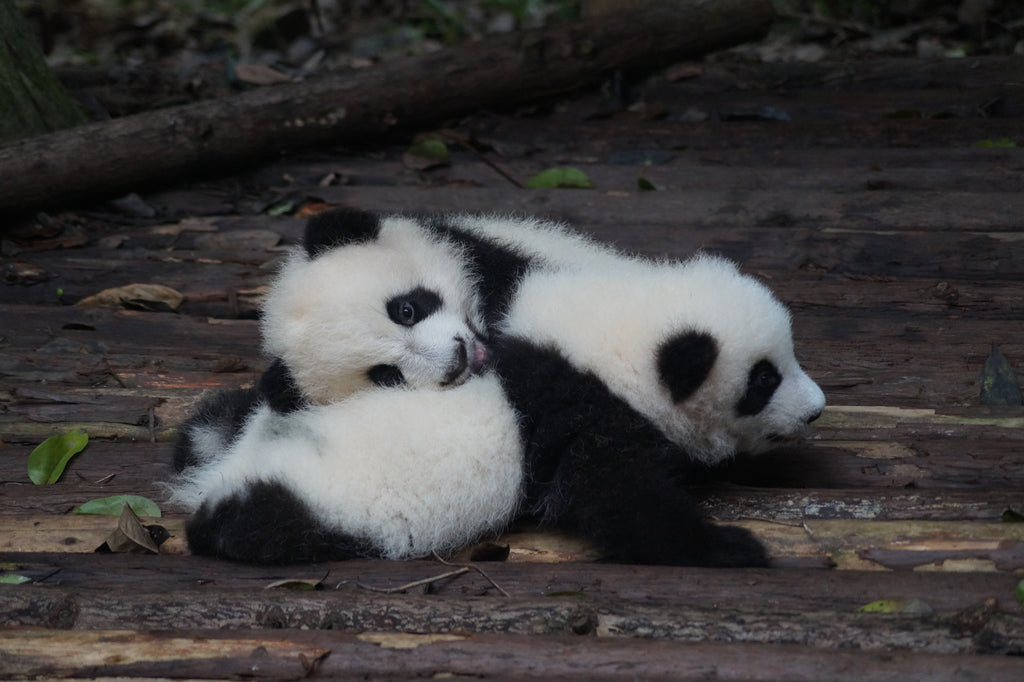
[[684, 362], [339, 227]]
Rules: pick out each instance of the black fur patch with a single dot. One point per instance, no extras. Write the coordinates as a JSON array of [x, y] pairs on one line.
[[225, 410], [762, 382], [386, 376], [267, 524], [497, 268], [408, 309], [339, 227], [684, 362], [277, 386]]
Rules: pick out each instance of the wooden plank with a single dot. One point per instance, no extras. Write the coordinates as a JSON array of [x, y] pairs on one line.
[[352, 610], [793, 589], [851, 544], [296, 655]]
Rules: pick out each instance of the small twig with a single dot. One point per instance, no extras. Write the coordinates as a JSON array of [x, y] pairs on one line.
[[482, 157], [475, 568], [415, 583]]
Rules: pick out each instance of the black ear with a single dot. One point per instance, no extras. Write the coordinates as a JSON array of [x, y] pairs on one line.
[[684, 362], [277, 386], [339, 227]]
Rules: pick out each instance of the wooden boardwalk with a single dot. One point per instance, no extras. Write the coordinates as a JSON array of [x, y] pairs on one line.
[[879, 199]]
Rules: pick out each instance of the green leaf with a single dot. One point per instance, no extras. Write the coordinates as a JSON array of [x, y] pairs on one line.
[[645, 185], [560, 178], [998, 381], [908, 606], [1020, 594], [1010, 516], [1001, 143], [46, 463], [113, 506], [430, 149], [14, 579]]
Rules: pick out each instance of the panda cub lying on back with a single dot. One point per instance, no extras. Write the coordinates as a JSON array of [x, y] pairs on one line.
[[623, 375]]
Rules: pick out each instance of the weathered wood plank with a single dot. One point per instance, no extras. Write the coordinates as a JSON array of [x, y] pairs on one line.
[[809, 589], [352, 610], [297, 655], [924, 545]]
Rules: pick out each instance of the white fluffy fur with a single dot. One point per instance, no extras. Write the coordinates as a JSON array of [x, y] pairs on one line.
[[411, 470], [326, 317], [552, 244], [611, 320]]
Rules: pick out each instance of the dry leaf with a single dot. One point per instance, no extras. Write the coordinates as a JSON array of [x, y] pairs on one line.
[[130, 537], [119, 296], [259, 74]]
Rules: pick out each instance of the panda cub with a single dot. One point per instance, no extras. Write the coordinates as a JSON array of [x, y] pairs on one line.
[[632, 379], [371, 433], [629, 376], [364, 303], [388, 472]]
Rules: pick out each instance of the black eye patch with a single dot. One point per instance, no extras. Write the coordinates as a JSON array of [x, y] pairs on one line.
[[762, 382], [408, 309], [385, 376]]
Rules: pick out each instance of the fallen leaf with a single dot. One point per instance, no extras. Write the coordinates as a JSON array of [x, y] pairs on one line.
[[1001, 143], [118, 296], [426, 154], [114, 505], [1020, 594], [907, 606], [645, 185], [260, 74], [1010, 516], [998, 381], [297, 584], [130, 536], [564, 177], [14, 579], [47, 462]]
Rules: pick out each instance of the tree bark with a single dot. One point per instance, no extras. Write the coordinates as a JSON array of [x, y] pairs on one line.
[[105, 159], [32, 100]]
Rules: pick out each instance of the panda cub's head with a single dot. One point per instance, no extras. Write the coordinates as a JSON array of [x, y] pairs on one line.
[[370, 301], [701, 350]]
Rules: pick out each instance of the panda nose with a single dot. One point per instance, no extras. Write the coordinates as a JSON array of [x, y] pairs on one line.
[[814, 416]]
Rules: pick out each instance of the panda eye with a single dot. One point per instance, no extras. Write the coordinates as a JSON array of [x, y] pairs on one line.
[[412, 307], [762, 381], [766, 379], [407, 314]]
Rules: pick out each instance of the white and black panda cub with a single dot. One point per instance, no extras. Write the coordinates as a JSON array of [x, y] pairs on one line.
[[630, 374], [325, 458], [364, 303]]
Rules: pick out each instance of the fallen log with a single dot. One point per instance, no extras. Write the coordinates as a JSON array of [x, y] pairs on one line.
[[122, 155]]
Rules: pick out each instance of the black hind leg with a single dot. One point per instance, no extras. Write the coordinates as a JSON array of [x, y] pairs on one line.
[[637, 513], [266, 523]]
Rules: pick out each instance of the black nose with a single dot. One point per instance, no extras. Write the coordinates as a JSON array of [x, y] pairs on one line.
[[814, 416]]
